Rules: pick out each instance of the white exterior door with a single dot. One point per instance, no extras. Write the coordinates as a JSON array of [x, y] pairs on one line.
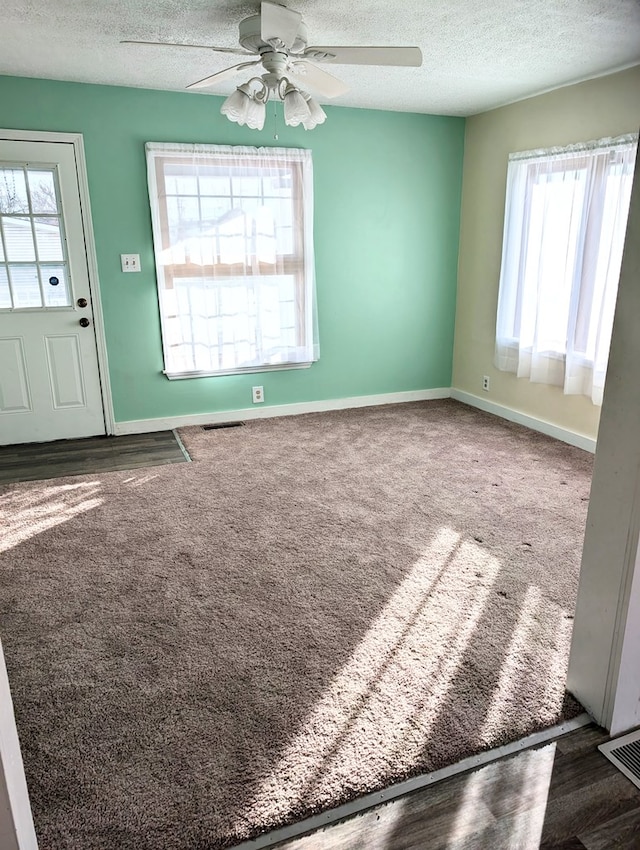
[[49, 375]]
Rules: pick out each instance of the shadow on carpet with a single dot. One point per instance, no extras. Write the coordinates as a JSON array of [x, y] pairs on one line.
[[315, 608]]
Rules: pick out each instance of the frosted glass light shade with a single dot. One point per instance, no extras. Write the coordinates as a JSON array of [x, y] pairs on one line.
[[256, 112], [317, 115], [237, 106], [295, 107], [247, 106]]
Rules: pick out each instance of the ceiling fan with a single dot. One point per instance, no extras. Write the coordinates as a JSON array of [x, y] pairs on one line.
[[277, 36]]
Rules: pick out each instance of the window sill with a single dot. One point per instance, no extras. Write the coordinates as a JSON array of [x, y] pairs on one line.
[[249, 370]]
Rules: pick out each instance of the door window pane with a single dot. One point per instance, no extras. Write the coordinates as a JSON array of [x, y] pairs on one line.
[[25, 286], [5, 294], [33, 248], [56, 294], [18, 239], [42, 189], [48, 238], [13, 191]]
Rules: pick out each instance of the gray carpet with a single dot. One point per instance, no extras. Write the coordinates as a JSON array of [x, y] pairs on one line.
[[317, 607]]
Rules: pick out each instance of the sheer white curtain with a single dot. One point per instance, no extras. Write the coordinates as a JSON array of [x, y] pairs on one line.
[[565, 222], [233, 236]]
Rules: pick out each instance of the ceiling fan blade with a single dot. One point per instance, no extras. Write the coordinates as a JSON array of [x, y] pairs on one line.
[[235, 50], [318, 79], [278, 24], [400, 56], [221, 75]]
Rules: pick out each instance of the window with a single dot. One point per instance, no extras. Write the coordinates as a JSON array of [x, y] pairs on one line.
[[34, 270], [565, 221], [234, 257]]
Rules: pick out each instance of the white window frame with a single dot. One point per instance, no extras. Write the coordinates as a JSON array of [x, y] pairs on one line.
[[529, 302], [297, 263]]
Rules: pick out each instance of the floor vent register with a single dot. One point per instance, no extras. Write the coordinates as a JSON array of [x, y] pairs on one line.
[[624, 753]]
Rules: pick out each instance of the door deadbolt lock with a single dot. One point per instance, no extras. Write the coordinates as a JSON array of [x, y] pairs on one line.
[[82, 302], [84, 322]]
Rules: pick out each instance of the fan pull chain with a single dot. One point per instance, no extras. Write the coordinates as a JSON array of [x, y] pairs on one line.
[[275, 122]]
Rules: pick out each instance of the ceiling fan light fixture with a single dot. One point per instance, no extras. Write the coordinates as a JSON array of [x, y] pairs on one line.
[[276, 38], [317, 115], [237, 106], [296, 109]]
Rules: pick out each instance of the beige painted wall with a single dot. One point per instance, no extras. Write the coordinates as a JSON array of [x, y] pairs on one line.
[[608, 106]]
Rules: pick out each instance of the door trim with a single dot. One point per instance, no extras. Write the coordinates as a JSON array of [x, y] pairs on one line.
[[76, 139]]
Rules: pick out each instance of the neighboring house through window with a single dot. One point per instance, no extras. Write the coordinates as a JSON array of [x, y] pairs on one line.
[[565, 222], [234, 257]]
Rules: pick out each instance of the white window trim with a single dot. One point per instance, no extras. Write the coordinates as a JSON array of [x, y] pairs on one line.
[[302, 156], [578, 373]]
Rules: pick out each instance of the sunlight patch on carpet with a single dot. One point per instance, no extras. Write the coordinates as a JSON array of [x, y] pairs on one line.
[[529, 631], [389, 694], [140, 480], [25, 515]]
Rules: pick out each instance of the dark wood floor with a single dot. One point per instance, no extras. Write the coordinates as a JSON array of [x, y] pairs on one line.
[[39, 461], [564, 795]]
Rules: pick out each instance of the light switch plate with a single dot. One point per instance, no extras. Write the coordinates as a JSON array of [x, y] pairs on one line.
[[130, 262]]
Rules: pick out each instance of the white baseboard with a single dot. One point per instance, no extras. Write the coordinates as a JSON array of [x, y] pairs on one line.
[[145, 426], [548, 428]]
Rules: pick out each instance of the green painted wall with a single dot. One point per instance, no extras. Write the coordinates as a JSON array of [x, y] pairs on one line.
[[387, 208]]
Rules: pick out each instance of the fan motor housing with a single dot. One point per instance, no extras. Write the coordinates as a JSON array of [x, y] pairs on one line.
[[251, 36]]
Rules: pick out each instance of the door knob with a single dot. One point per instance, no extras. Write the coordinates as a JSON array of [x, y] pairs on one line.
[[84, 322]]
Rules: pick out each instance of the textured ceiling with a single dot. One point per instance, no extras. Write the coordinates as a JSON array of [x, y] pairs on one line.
[[478, 54]]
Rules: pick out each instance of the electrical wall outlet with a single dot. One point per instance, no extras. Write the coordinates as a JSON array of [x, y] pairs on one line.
[[257, 395], [130, 262], [485, 383]]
